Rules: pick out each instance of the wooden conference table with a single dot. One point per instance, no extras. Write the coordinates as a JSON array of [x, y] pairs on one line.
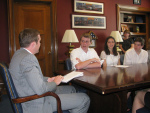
[[108, 86]]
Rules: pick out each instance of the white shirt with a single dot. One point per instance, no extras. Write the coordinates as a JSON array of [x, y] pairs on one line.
[[83, 56], [131, 57], [27, 50], [110, 59]]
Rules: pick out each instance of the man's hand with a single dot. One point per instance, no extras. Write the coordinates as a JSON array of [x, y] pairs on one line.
[[95, 60], [58, 79], [51, 79], [91, 63], [78, 59]]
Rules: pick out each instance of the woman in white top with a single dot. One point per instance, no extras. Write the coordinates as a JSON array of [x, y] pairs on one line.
[[110, 55]]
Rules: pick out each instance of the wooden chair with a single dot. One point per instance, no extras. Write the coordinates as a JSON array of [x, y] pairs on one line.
[[13, 95], [143, 110], [1, 88]]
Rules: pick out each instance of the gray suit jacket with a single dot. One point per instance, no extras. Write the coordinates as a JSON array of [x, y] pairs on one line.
[[28, 80]]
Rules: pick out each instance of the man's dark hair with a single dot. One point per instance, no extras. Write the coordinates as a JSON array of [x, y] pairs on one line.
[[27, 36], [127, 31], [141, 40]]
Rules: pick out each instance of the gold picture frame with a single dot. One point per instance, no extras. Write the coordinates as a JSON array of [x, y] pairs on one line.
[[86, 21], [88, 7]]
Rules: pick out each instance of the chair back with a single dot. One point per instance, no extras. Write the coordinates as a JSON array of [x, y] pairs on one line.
[[143, 110], [10, 88], [148, 55], [68, 65], [121, 59]]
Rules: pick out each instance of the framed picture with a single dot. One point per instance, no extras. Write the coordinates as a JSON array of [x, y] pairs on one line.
[[93, 45], [94, 37], [86, 21], [138, 2], [88, 7], [124, 27]]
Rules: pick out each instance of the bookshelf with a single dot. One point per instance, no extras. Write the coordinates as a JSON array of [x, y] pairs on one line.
[[135, 19]]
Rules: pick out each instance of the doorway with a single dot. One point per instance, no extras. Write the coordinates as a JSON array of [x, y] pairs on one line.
[[40, 16]]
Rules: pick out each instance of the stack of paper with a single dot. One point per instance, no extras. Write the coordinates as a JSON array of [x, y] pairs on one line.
[[71, 75]]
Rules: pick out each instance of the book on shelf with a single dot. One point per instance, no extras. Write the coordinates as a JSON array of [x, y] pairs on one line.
[[138, 19], [71, 76], [137, 29]]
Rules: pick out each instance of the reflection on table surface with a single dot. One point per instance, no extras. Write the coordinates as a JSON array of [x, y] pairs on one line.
[[112, 76]]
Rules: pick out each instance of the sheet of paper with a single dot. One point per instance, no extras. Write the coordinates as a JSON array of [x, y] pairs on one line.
[[122, 66], [71, 75]]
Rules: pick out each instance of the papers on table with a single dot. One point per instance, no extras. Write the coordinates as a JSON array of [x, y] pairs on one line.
[[71, 75], [122, 66]]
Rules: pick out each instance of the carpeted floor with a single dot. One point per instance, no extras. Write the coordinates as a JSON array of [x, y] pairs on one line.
[[5, 106]]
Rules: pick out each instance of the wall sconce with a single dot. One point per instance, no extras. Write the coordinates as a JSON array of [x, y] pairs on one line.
[[70, 37], [118, 39]]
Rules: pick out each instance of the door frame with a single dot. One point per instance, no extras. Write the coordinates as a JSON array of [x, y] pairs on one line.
[[11, 28]]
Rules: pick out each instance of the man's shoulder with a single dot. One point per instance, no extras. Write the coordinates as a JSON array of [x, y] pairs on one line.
[[144, 51], [130, 51], [76, 50], [22, 54], [18, 56]]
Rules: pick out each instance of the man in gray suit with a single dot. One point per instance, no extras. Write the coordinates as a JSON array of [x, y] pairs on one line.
[[28, 80]]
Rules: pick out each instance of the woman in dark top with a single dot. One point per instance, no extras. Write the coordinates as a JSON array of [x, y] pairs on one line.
[[127, 42]]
